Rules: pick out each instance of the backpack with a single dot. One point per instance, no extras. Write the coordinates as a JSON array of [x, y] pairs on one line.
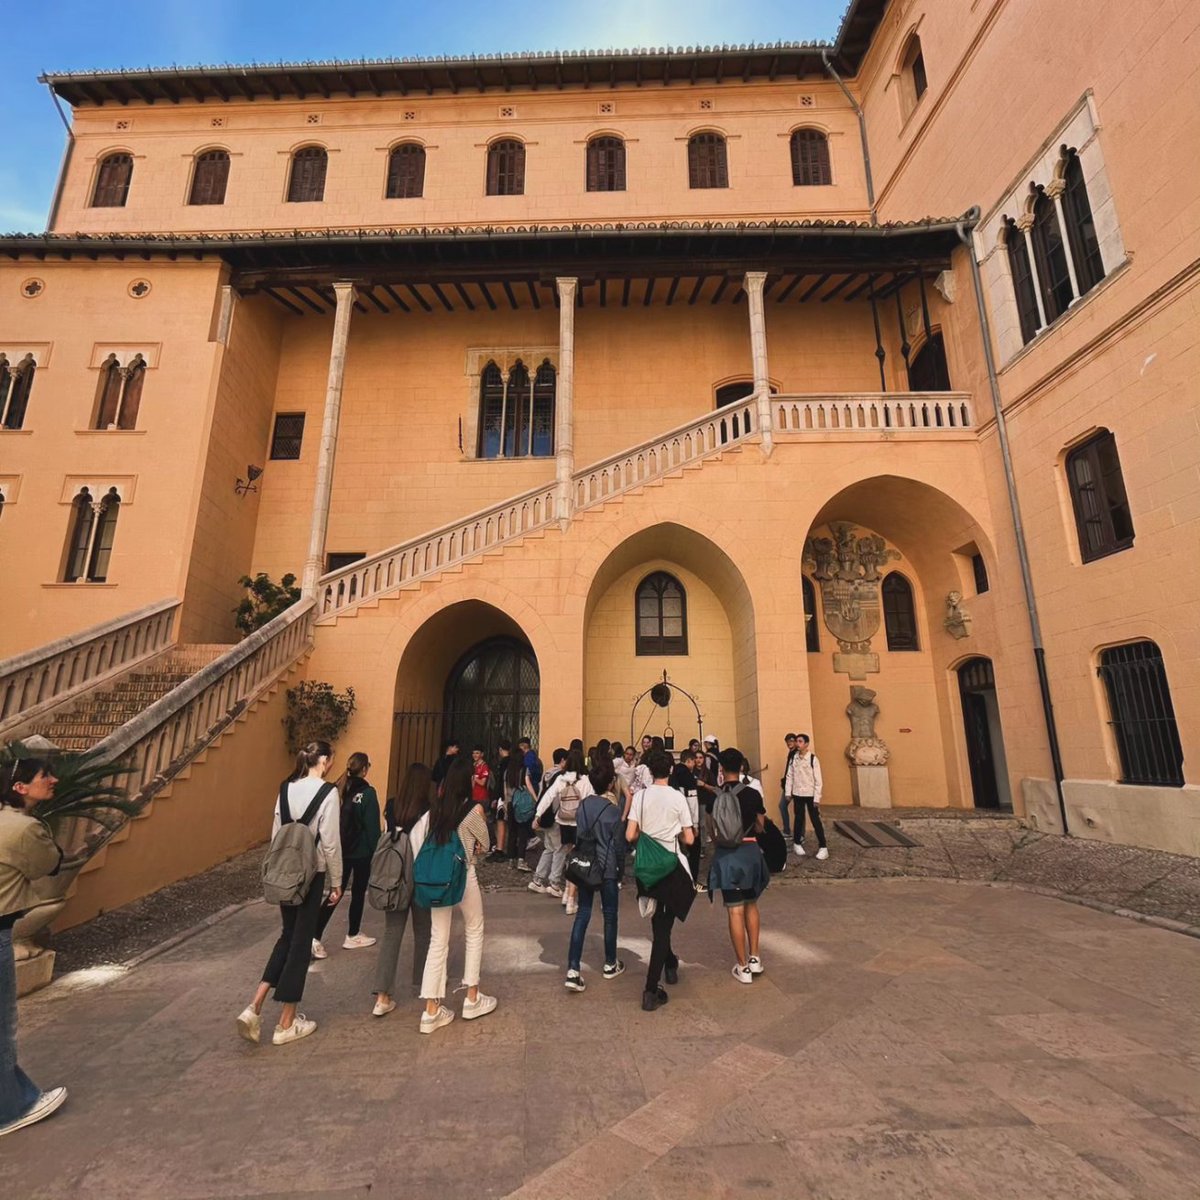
[[585, 866], [523, 805], [774, 848], [652, 862], [391, 884], [728, 829], [440, 873], [350, 821], [568, 804], [291, 863]]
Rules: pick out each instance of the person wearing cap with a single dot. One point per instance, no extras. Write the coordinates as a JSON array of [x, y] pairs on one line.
[[784, 805]]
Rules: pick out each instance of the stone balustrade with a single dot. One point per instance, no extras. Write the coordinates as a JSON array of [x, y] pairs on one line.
[[34, 683], [873, 412]]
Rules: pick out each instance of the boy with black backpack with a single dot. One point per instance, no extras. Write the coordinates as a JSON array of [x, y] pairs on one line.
[[305, 853]]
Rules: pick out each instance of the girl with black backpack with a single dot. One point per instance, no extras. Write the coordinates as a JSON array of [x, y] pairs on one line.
[[453, 811], [360, 829], [599, 833], [408, 811], [287, 968]]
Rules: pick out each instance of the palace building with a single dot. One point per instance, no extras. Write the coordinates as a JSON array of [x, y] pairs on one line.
[[850, 384]]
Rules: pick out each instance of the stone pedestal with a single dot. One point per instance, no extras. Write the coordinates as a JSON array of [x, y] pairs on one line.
[[34, 973], [870, 786], [854, 664]]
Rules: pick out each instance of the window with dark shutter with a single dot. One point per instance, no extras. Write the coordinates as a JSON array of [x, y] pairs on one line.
[[506, 168], [288, 435], [16, 384], [810, 158], [812, 635], [979, 570], [606, 165], [406, 172], [1081, 228], [661, 615], [210, 176], [1022, 277], [708, 161], [1050, 255], [112, 181], [899, 613], [915, 81], [1102, 516], [307, 180], [928, 371], [1142, 714]]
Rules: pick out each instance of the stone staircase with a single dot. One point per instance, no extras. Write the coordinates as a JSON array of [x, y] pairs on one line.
[[102, 712]]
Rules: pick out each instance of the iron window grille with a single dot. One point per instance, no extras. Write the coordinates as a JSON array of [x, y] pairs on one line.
[[1142, 715], [288, 435], [661, 614], [1102, 516]]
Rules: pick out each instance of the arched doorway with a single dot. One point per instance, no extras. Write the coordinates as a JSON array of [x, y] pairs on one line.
[[985, 740], [492, 693]]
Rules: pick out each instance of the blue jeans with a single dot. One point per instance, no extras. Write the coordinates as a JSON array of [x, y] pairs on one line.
[[610, 899], [18, 1093]]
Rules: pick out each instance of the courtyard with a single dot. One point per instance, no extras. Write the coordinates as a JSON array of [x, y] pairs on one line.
[[910, 1038]]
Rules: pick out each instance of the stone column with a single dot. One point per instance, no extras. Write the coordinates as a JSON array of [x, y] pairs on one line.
[[314, 563], [564, 396], [758, 352], [1055, 189], [1025, 225]]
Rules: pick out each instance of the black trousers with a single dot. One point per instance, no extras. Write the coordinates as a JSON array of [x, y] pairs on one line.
[[661, 954], [287, 968], [693, 857], [801, 803], [357, 873], [519, 833]]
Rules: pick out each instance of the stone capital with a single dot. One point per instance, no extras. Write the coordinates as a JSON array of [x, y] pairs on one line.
[[1055, 188], [1025, 222], [566, 285]]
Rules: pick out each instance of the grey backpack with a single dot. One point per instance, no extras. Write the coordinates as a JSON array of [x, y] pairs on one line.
[[391, 885], [569, 800], [728, 829], [292, 863]]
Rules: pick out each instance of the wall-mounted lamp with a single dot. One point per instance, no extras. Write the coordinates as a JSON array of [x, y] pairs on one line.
[[247, 485]]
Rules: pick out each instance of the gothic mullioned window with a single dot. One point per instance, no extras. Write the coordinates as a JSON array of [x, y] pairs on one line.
[[506, 168], [1022, 279], [517, 411], [307, 179], [1050, 258], [606, 164], [16, 384], [119, 396], [810, 158], [113, 177], [406, 171], [210, 177], [1081, 228], [661, 615], [708, 161], [91, 536]]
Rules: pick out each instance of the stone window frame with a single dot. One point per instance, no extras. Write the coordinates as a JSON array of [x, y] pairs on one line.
[[893, 638], [827, 144], [505, 358], [660, 645], [98, 489], [1112, 544], [1079, 133], [194, 160], [98, 160]]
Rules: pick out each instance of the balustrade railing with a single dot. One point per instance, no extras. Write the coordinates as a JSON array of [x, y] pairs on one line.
[[872, 412], [33, 683]]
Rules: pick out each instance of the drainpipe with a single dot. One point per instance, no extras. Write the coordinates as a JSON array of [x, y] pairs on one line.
[[963, 229], [63, 166], [862, 133]]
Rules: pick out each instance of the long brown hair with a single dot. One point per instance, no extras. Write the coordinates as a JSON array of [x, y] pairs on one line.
[[307, 758], [451, 804], [352, 781], [405, 809]]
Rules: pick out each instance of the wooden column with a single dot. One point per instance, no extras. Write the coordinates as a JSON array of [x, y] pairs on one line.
[[564, 396], [754, 282], [314, 564]]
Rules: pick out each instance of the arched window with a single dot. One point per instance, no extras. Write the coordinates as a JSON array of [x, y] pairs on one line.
[[661, 613], [742, 389], [516, 415], [606, 164], [112, 181], [93, 529], [928, 371], [1081, 229], [1143, 716], [493, 692], [899, 613], [120, 393], [1050, 257], [406, 171], [210, 176], [812, 635], [506, 168], [912, 70], [1022, 277], [16, 383], [307, 180], [708, 161], [810, 158]]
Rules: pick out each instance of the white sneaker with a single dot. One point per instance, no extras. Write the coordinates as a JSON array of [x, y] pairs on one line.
[[562, 896], [359, 941], [823, 854], [43, 1106], [572, 907], [481, 1006], [799, 850], [552, 889], [536, 885], [381, 1009], [430, 1023], [318, 951], [742, 974], [249, 1024], [534, 843], [574, 982], [755, 964], [301, 1027]]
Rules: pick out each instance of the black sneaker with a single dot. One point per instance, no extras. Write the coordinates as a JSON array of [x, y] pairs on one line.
[[574, 982], [650, 1001], [671, 974], [662, 996], [612, 970]]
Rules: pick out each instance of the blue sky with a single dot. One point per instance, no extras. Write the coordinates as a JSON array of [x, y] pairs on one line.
[[81, 35]]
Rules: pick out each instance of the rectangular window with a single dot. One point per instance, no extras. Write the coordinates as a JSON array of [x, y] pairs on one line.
[[288, 435], [1143, 717], [1102, 516], [979, 570]]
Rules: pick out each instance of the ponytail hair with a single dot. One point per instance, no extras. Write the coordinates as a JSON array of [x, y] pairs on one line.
[[19, 770], [307, 758], [352, 781]]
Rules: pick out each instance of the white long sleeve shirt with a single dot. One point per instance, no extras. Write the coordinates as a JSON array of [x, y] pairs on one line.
[[556, 789], [804, 776], [326, 824]]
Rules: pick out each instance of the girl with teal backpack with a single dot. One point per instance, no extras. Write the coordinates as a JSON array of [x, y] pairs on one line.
[[444, 879]]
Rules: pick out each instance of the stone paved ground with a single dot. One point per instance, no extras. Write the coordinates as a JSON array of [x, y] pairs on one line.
[[910, 1039], [953, 845]]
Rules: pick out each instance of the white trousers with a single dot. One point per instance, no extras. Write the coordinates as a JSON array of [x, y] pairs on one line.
[[433, 982]]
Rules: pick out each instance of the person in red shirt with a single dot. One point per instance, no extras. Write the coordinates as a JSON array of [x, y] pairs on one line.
[[480, 777]]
